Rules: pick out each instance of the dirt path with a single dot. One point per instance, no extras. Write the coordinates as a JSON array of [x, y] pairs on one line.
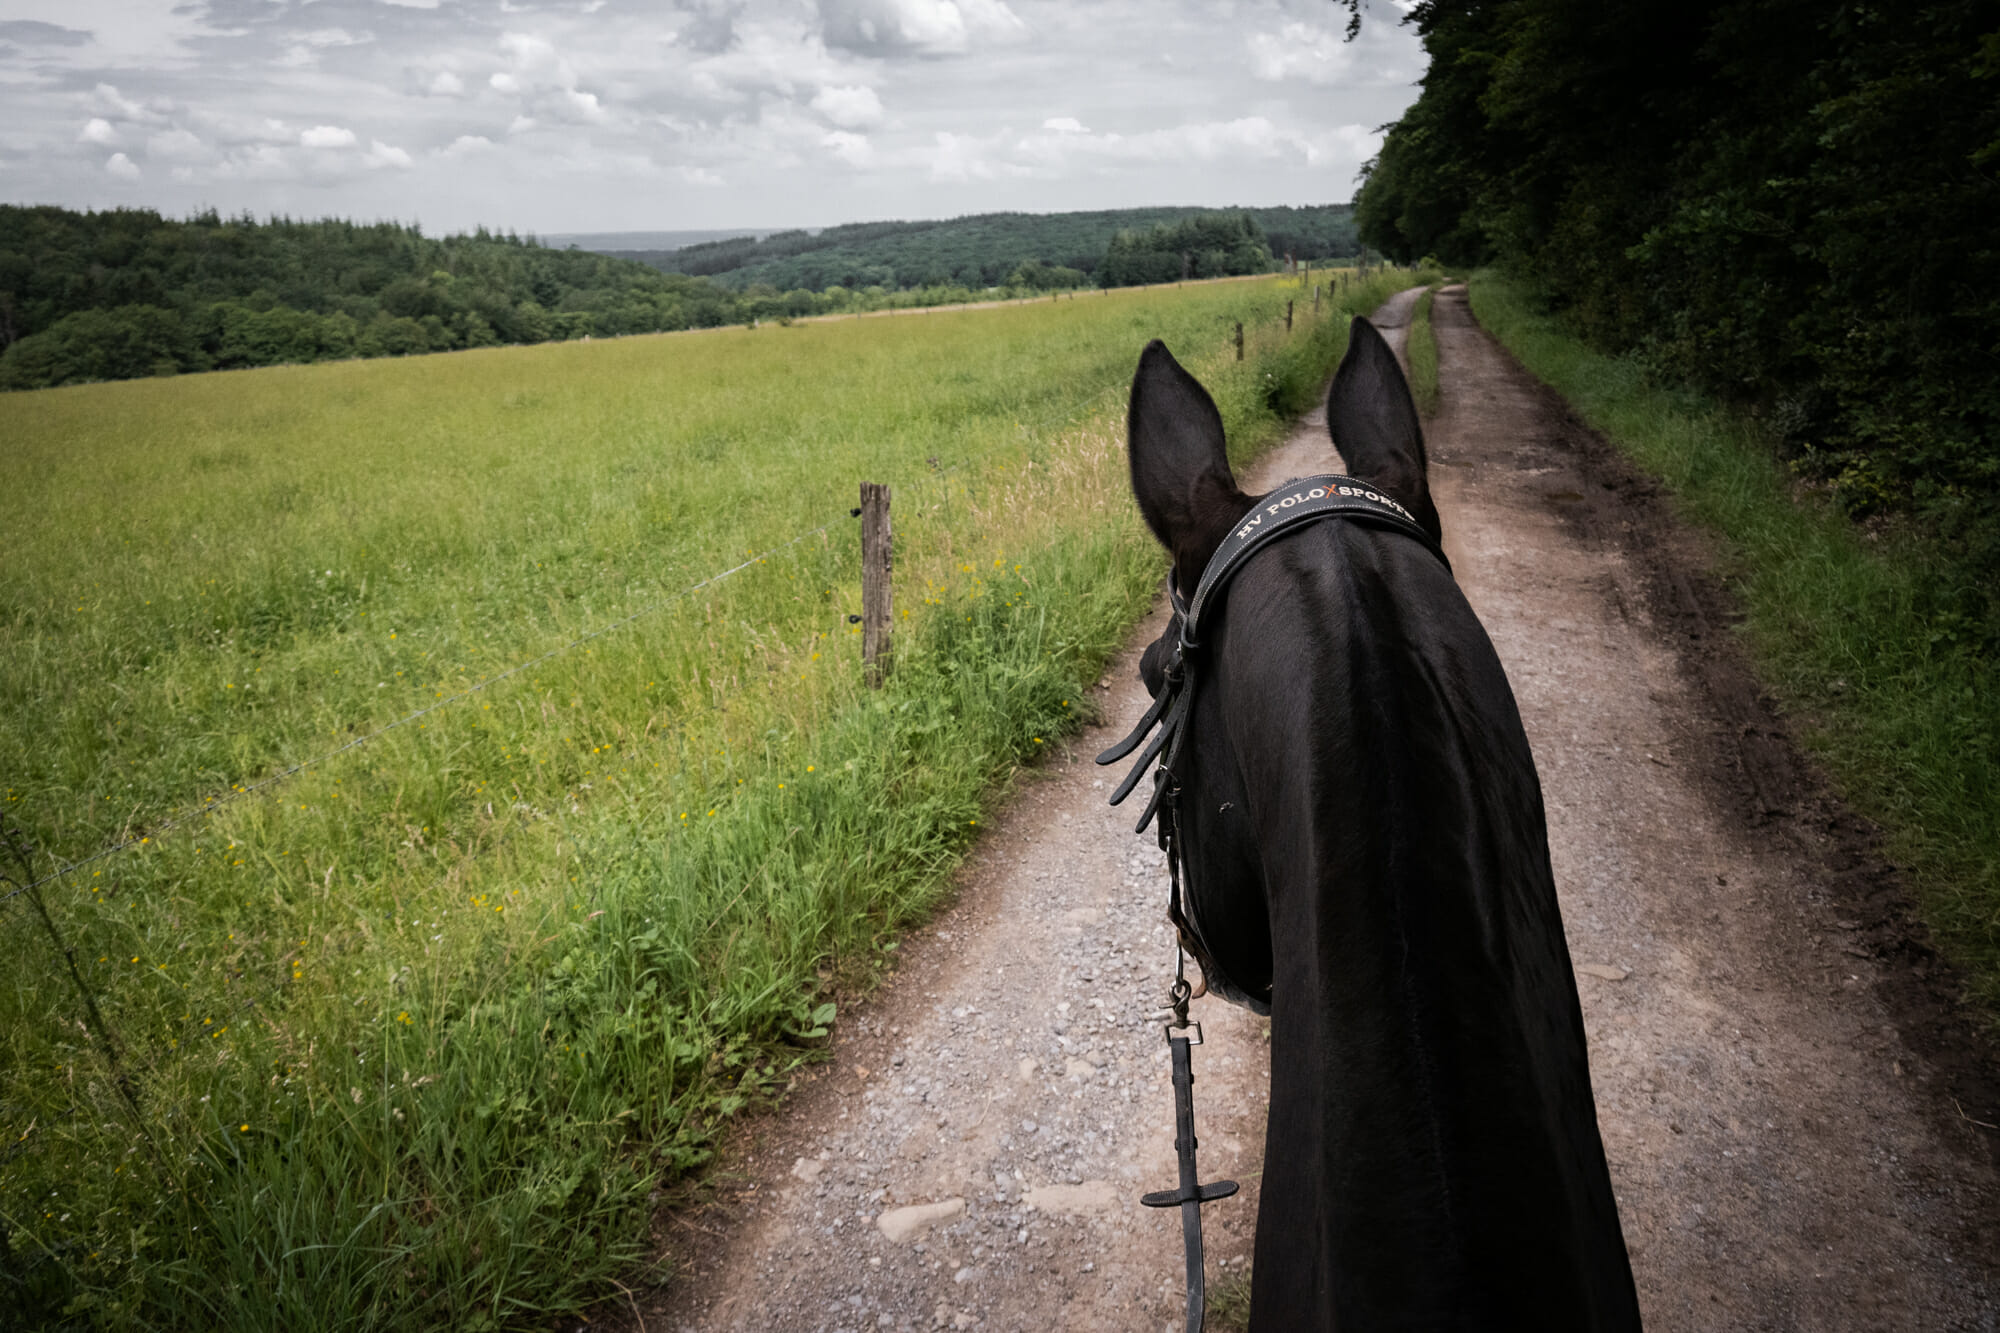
[[1774, 1069]]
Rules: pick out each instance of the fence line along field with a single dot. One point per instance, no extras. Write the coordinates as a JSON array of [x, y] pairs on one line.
[[409, 1038]]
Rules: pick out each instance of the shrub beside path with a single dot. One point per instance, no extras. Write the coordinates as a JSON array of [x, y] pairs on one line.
[[1776, 1100]]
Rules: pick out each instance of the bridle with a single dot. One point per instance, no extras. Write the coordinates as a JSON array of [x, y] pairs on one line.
[[1291, 506]]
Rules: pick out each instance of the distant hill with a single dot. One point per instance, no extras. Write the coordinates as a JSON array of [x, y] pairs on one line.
[[616, 242], [982, 250], [127, 293], [124, 293]]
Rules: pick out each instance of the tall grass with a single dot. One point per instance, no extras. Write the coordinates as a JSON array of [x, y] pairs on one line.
[[1892, 695], [414, 1033]]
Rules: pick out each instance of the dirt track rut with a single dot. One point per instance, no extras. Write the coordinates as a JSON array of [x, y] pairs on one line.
[[1775, 1079]]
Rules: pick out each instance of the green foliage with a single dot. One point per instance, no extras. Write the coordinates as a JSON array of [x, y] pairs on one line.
[[123, 294], [416, 1032], [116, 295], [984, 250], [1212, 246], [1785, 202], [1888, 687]]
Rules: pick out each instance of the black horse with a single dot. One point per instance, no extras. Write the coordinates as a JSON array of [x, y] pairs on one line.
[[1366, 861]]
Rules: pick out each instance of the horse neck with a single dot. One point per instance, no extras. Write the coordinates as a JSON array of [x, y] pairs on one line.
[[1421, 999]]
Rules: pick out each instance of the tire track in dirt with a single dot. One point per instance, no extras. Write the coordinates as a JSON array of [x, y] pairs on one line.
[[1777, 1141]]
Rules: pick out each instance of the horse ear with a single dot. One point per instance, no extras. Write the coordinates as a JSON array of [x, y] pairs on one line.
[[1374, 424], [1180, 460]]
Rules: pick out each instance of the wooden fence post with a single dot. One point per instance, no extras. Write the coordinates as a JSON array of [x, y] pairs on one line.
[[1288, 317], [877, 560], [1315, 298], [1239, 340]]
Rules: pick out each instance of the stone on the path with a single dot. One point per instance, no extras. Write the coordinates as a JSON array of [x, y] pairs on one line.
[[808, 1169], [1026, 1069], [899, 1224], [1604, 971], [1092, 1196]]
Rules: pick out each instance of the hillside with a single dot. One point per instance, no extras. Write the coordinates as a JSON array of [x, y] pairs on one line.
[[982, 250], [128, 293]]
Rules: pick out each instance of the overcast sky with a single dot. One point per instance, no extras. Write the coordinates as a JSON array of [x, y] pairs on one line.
[[602, 115]]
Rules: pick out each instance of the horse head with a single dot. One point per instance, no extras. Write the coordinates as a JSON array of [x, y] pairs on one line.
[[1351, 796], [1188, 496]]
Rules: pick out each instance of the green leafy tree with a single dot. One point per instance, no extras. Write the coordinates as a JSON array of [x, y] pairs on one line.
[[1790, 202]]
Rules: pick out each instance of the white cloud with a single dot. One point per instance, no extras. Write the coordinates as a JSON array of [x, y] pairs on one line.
[[414, 4], [850, 108], [182, 144], [919, 27], [545, 80], [109, 100], [1300, 51], [98, 130], [304, 52], [446, 84], [123, 167], [521, 125], [966, 157], [1064, 149], [853, 149], [257, 162], [380, 154], [327, 136], [466, 143], [768, 57], [701, 176], [1379, 58]]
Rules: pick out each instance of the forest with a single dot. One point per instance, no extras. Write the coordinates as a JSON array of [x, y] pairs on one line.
[[129, 293], [1787, 203], [992, 249]]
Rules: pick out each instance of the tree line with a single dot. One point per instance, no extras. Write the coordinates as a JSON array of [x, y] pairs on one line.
[[128, 293], [1788, 202], [124, 293], [1051, 250]]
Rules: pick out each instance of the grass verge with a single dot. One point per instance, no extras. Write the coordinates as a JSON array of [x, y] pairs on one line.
[[407, 1039], [1885, 690], [1422, 350]]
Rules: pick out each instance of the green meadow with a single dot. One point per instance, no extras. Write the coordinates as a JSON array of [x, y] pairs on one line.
[[487, 852]]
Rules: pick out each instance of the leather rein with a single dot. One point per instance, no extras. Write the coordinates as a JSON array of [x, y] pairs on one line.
[[1293, 505]]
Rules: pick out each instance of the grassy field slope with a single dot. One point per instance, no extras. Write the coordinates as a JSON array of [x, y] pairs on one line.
[[406, 1037]]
